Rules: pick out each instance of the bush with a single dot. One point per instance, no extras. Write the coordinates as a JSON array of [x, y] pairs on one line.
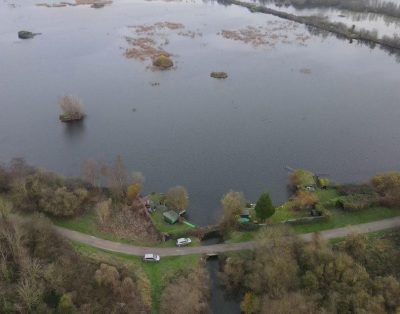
[[357, 202], [163, 62], [65, 306], [300, 179], [46, 192], [350, 189], [304, 200]]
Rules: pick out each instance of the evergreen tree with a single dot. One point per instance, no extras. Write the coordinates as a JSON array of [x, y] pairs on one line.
[[264, 208]]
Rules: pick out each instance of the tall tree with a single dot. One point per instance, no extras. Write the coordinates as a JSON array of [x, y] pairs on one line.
[[232, 204], [264, 208], [177, 198], [91, 172]]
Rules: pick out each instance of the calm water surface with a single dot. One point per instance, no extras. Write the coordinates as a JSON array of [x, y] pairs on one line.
[[205, 134]]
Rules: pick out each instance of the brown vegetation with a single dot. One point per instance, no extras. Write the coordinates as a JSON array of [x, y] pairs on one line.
[[72, 109], [285, 273], [150, 40], [41, 273], [46, 192], [232, 205], [273, 33], [177, 198], [304, 200], [188, 293], [219, 75], [127, 221], [388, 187]]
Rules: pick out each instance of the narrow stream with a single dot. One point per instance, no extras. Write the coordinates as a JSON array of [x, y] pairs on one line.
[[220, 303]]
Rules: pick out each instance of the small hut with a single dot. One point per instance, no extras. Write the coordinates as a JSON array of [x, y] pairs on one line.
[[171, 216]]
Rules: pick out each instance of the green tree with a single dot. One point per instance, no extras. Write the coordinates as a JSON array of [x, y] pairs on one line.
[[264, 208], [65, 306]]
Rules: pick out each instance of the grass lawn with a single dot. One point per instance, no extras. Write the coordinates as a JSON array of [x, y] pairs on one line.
[[341, 218], [158, 274], [241, 236], [284, 212], [370, 236]]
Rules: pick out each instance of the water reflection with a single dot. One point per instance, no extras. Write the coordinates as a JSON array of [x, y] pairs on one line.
[[364, 29], [74, 131], [220, 302]]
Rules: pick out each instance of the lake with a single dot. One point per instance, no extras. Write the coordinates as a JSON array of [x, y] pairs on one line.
[[320, 103]]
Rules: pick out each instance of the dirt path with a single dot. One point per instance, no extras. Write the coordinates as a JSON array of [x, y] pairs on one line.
[[219, 248]]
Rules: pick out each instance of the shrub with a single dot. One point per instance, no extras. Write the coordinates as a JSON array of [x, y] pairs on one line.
[[323, 183], [349, 189], [163, 62], [300, 178], [65, 306], [304, 200], [103, 212], [357, 202], [386, 182], [250, 303]]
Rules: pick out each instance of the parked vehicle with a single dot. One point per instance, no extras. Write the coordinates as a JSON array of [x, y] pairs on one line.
[[183, 241], [151, 258]]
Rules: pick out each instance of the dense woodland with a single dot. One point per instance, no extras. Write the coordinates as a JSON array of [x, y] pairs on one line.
[[41, 273], [39, 270], [287, 275]]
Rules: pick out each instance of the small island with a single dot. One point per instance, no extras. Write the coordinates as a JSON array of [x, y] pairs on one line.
[[72, 109], [219, 75], [163, 62], [26, 34]]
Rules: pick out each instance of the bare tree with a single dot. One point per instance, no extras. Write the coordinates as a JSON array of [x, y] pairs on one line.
[[91, 171], [71, 107], [103, 212], [117, 177]]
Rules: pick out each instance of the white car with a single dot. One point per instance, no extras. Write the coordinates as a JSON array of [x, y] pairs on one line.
[[183, 241], [151, 258]]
